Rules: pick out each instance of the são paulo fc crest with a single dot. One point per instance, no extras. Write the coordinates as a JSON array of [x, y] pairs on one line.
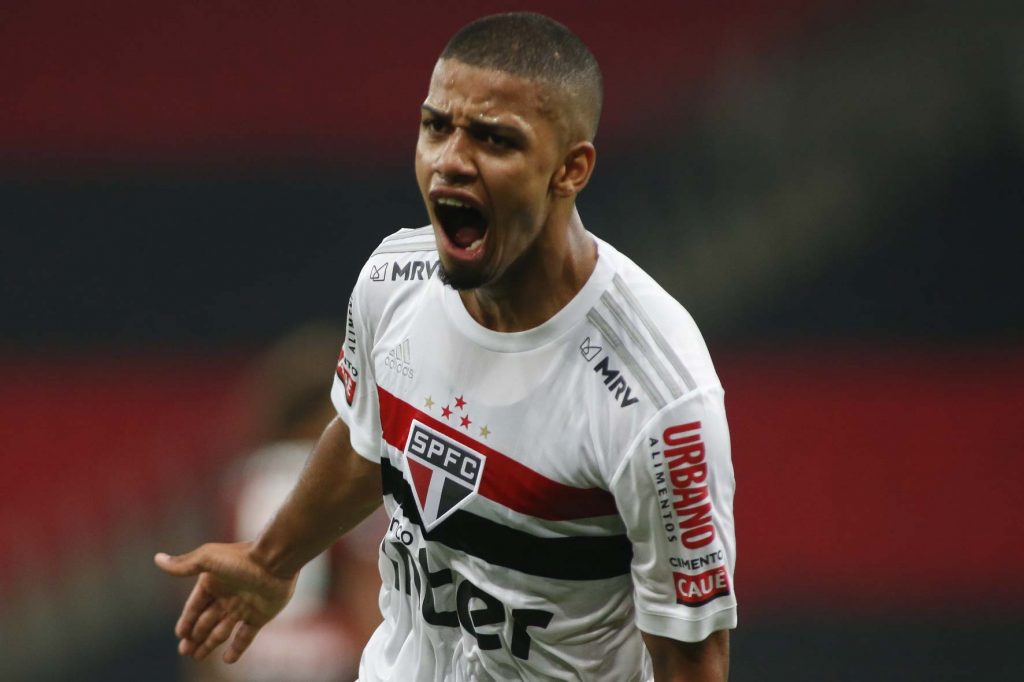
[[443, 473]]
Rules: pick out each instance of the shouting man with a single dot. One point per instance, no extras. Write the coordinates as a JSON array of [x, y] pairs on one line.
[[541, 419]]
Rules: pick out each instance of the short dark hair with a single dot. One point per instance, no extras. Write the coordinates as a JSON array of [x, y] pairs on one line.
[[537, 48]]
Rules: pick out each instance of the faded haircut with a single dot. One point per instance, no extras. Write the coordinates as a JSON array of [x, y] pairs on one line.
[[537, 48]]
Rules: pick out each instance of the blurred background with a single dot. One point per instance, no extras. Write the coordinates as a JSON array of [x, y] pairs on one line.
[[832, 188]]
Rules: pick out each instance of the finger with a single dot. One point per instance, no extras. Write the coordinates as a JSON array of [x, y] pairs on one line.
[[217, 636], [244, 635], [197, 602], [181, 565], [186, 647], [205, 624]]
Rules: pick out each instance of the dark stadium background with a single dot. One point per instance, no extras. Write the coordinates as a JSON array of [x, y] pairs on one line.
[[834, 190]]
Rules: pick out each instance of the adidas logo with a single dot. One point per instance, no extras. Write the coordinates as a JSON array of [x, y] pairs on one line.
[[401, 352], [399, 359]]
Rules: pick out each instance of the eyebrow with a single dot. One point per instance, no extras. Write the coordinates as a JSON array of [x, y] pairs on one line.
[[477, 127]]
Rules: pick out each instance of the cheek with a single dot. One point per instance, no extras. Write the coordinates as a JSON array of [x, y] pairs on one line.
[[534, 191], [532, 183], [528, 215], [533, 186], [519, 192], [421, 166]]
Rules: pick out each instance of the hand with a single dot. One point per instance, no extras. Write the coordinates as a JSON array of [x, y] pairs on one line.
[[234, 593]]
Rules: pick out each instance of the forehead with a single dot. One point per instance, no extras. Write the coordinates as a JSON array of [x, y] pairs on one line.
[[480, 93]]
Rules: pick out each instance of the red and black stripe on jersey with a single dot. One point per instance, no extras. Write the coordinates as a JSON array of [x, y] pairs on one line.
[[517, 487]]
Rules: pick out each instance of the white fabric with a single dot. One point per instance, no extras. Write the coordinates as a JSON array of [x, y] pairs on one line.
[[600, 451]]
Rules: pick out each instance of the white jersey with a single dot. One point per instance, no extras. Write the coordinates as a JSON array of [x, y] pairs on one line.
[[551, 490]]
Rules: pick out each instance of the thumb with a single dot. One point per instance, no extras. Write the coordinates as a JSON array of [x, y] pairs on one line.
[[180, 565]]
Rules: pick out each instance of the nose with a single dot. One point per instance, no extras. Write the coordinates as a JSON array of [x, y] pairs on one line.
[[453, 161]]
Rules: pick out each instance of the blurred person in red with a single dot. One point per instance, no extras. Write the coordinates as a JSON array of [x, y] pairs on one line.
[[319, 635], [543, 420]]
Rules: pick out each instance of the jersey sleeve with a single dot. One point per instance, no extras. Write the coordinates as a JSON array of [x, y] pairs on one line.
[[674, 491], [354, 392]]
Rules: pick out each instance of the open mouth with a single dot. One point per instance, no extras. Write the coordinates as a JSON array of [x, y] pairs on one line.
[[463, 224]]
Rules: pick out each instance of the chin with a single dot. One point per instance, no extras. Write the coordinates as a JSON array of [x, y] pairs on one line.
[[461, 279]]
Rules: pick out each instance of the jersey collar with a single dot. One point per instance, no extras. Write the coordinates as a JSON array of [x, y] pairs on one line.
[[571, 315]]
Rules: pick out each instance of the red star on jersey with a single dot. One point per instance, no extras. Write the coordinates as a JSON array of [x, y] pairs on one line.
[[465, 421], [459, 402], [445, 412]]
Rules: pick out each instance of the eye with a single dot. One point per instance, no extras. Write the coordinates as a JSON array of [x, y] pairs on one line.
[[435, 126], [499, 141], [493, 139]]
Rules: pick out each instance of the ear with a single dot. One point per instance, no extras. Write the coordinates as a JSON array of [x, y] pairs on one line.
[[574, 173]]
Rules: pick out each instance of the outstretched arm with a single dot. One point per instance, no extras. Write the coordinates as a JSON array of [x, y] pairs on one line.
[[242, 586], [675, 661]]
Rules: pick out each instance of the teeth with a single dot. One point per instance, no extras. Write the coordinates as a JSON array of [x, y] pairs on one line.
[[475, 245], [448, 201]]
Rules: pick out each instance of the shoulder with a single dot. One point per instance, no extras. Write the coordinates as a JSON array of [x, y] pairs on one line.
[[405, 241], [404, 256], [396, 270], [651, 333]]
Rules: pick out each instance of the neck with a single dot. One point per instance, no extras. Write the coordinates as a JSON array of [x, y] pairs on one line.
[[540, 283]]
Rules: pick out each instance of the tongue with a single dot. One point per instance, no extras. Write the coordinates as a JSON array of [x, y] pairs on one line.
[[466, 235]]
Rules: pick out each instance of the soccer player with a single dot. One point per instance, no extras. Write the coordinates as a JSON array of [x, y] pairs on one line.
[[543, 420]]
